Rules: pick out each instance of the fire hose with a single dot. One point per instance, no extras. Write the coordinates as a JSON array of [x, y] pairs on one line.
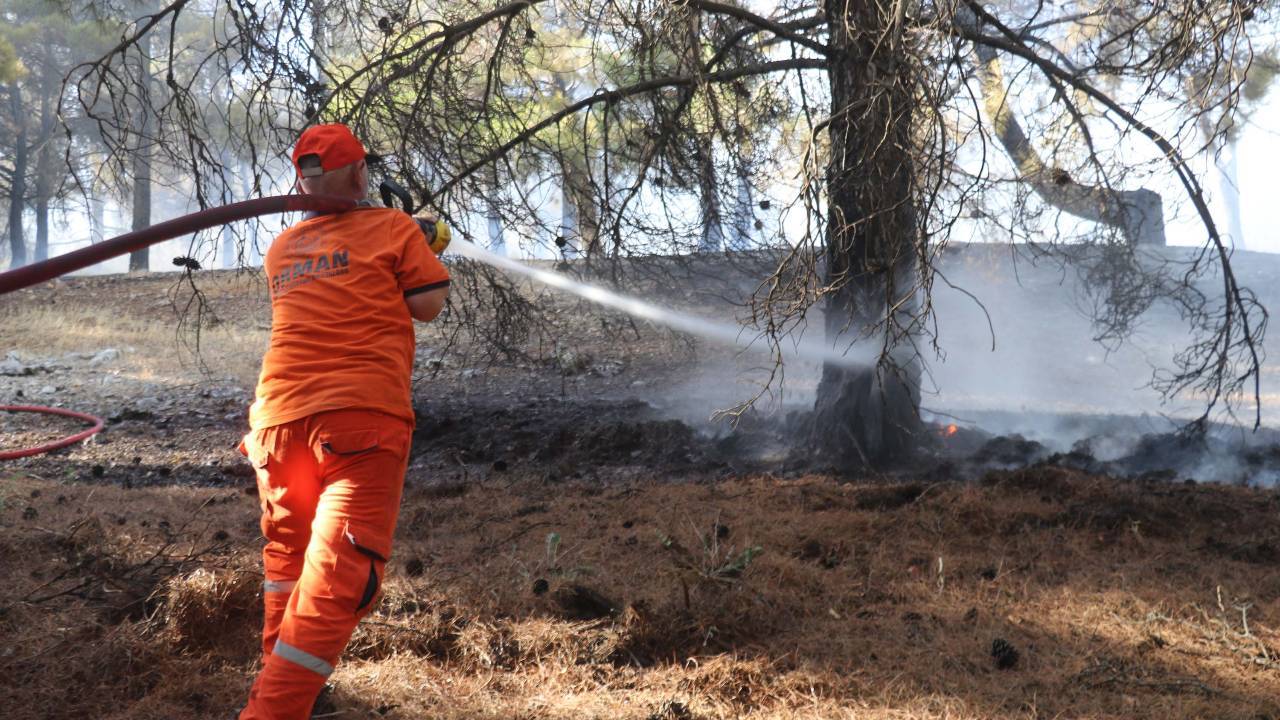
[[36, 273], [61, 442], [195, 222]]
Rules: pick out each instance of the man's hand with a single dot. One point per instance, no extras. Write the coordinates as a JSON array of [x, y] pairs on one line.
[[437, 232]]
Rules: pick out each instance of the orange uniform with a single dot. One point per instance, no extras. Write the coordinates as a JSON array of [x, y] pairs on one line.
[[330, 437]]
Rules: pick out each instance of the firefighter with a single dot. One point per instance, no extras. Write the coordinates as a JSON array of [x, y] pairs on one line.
[[331, 423]]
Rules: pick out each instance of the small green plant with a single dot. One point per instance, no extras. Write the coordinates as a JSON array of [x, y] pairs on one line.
[[716, 566], [553, 563]]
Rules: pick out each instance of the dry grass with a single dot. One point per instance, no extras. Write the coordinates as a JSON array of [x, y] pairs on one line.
[[1123, 601], [638, 600], [83, 315], [147, 327]]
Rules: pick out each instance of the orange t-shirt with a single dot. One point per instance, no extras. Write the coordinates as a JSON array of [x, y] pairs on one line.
[[341, 333]]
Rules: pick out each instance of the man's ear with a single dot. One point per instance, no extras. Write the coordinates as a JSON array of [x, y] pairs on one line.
[[362, 178]]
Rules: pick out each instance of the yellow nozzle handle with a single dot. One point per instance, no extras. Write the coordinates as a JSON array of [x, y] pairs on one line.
[[441, 237], [438, 235]]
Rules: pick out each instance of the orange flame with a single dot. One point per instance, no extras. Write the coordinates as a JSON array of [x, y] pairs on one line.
[[951, 430]]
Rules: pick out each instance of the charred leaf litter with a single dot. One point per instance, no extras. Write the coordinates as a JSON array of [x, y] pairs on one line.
[[573, 438], [609, 438]]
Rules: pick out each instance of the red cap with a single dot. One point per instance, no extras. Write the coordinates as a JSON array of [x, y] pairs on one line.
[[335, 144]]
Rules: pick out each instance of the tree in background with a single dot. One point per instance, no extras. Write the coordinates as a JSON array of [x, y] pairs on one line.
[[1224, 104], [39, 43], [882, 112]]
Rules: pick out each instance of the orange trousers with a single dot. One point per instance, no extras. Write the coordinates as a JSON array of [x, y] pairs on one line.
[[330, 489]]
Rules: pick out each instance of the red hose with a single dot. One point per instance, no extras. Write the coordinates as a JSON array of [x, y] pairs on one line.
[[61, 443], [29, 275]]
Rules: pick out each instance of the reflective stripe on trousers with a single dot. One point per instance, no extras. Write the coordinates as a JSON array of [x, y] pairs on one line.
[[278, 586], [288, 652]]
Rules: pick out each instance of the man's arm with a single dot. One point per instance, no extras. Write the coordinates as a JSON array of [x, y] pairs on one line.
[[425, 306]]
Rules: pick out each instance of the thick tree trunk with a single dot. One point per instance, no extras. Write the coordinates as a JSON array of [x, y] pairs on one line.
[[140, 260], [319, 34], [18, 189], [868, 415]]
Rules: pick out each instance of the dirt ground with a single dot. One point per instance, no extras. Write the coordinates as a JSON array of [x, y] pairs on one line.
[[567, 551]]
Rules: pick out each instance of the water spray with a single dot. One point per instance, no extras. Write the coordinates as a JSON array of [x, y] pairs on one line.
[[728, 333]]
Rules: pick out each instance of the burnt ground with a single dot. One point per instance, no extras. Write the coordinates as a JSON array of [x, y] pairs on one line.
[[568, 549]]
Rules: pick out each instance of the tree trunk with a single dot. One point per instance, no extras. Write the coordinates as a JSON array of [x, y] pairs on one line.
[[1224, 147], [97, 212], [42, 218], [140, 260], [712, 239], [18, 189], [868, 415], [319, 35], [44, 173], [577, 192], [252, 255], [497, 240], [744, 218], [1139, 214], [228, 237], [1229, 185]]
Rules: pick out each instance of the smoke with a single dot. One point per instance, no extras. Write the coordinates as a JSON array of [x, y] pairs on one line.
[[1049, 381], [1025, 365], [1020, 370]]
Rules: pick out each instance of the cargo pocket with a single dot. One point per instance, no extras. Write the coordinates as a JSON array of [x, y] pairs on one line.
[[253, 450], [370, 591], [373, 583], [347, 443]]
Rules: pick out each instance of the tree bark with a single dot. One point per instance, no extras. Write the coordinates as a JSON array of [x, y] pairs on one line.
[[577, 192], [18, 188], [744, 218], [712, 239], [228, 237], [252, 255], [97, 212], [44, 172], [497, 239], [140, 260], [319, 35], [868, 415]]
